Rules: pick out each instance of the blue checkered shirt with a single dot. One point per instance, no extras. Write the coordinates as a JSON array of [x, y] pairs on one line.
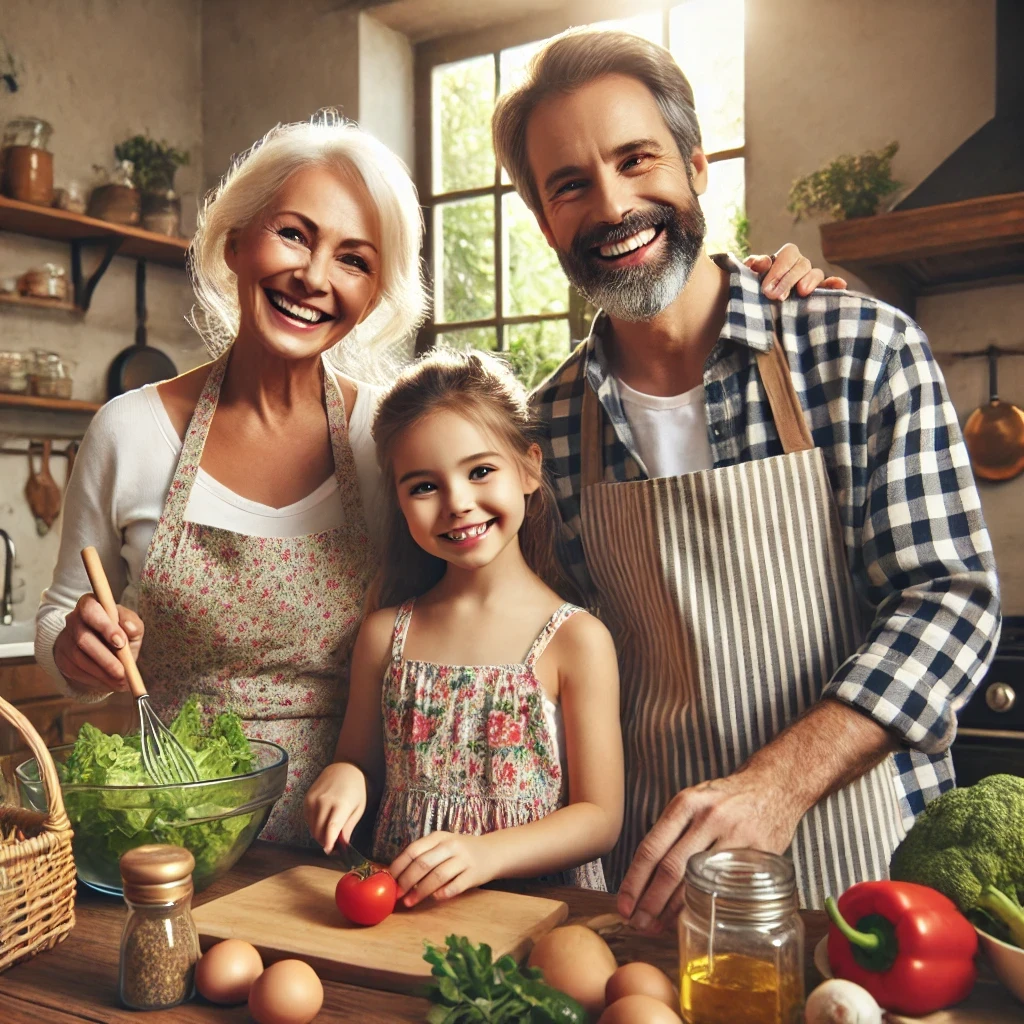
[[911, 519]]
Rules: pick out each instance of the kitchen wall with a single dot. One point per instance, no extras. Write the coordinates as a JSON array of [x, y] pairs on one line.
[[98, 72], [826, 77], [265, 61]]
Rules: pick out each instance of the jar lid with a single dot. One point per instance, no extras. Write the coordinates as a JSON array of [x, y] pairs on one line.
[[157, 873], [752, 876]]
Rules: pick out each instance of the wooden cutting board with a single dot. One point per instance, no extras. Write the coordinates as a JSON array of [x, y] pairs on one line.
[[293, 914]]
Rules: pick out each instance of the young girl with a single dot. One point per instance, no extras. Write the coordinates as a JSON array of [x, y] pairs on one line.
[[483, 708]]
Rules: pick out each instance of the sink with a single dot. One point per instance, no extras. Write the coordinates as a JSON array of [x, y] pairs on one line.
[[17, 640]]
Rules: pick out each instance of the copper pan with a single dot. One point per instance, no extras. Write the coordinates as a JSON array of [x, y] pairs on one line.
[[994, 433]]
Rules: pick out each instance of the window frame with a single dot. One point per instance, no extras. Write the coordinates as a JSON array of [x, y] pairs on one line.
[[492, 41]]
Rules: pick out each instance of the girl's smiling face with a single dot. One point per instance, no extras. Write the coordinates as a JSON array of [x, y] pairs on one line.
[[462, 492], [308, 267]]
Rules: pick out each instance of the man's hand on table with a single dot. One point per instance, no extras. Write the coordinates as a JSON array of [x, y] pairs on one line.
[[759, 806], [740, 810]]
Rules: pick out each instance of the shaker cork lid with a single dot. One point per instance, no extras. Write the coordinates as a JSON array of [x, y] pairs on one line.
[[157, 873]]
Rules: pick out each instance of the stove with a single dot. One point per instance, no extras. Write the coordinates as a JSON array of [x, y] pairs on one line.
[[990, 736]]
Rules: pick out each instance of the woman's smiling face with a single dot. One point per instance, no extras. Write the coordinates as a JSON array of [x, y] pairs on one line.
[[308, 267]]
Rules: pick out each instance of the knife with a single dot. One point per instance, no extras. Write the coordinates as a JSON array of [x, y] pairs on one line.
[[352, 859]]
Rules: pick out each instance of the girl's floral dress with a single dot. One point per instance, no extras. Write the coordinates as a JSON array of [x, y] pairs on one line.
[[468, 748]]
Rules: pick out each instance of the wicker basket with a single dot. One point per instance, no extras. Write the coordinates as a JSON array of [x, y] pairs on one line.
[[37, 873]]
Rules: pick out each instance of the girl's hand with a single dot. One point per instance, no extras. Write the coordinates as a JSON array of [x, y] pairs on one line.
[[335, 803], [787, 269], [84, 649], [441, 865]]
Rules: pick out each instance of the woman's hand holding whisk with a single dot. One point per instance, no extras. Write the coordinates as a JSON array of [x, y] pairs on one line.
[[84, 650]]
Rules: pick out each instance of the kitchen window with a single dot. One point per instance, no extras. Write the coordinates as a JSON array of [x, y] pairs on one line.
[[496, 283]]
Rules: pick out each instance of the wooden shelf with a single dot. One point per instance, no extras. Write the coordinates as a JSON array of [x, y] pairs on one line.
[[31, 301], [62, 226], [913, 252], [47, 404]]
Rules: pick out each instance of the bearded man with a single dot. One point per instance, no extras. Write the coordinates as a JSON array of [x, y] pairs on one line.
[[770, 504]]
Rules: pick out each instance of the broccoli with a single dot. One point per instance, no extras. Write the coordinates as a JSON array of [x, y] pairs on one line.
[[969, 844]]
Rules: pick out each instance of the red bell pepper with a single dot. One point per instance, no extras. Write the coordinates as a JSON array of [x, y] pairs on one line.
[[907, 944]]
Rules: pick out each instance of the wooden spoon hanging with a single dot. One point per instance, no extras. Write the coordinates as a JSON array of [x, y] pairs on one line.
[[42, 492], [994, 433]]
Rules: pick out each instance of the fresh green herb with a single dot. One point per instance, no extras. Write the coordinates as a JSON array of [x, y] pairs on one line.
[[109, 822], [470, 988]]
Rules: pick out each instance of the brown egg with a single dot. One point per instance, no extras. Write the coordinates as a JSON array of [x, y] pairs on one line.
[[576, 961], [638, 1009], [640, 979], [226, 971], [288, 992]]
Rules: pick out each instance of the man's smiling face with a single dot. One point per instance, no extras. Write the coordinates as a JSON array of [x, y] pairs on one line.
[[617, 203]]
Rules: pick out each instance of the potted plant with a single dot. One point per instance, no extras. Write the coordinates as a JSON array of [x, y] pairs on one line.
[[155, 164], [850, 186]]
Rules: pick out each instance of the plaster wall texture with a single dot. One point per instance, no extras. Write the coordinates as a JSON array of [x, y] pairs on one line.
[[386, 87], [98, 72], [266, 62], [921, 72]]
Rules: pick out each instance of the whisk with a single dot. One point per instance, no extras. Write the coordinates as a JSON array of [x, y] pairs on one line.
[[166, 761]]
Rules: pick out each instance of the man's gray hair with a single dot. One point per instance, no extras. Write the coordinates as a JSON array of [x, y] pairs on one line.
[[570, 61]]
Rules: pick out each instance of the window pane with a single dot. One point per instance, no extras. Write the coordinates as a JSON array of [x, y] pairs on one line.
[[514, 61], [707, 40], [485, 338], [536, 350], [463, 98], [464, 290], [534, 282], [721, 203]]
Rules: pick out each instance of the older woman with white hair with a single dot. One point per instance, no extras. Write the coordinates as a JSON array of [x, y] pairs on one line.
[[231, 505]]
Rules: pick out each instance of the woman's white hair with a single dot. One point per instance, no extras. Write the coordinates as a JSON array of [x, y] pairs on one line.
[[375, 348]]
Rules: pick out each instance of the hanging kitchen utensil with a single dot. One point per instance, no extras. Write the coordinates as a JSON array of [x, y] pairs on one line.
[[994, 433], [140, 364], [42, 492]]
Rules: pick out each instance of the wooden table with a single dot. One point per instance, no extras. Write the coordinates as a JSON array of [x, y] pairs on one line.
[[77, 980]]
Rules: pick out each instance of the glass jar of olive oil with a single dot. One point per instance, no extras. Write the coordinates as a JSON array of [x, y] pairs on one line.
[[741, 940]]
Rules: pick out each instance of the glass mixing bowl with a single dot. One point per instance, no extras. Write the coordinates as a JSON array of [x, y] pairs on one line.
[[216, 820]]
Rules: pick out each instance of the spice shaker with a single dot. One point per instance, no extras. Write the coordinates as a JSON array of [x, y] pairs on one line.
[[741, 940], [159, 944]]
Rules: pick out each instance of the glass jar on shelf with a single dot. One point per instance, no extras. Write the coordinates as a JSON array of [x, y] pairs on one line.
[[27, 161], [14, 372], [741, 940], [159, 943], [51, 375], [47, 281]]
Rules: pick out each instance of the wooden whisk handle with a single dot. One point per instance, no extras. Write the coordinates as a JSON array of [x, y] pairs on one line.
[[101, 589]]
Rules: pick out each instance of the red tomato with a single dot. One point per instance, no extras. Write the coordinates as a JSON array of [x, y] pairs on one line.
[[366, 898]]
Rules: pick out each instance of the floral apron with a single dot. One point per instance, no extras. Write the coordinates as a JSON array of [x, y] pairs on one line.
[[731, 604], [262, 626]]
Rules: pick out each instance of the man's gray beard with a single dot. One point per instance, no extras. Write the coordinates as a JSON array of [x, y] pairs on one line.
[[641, 293]]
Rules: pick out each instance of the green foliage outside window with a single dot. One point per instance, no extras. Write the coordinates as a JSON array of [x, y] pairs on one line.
[[533, 280]]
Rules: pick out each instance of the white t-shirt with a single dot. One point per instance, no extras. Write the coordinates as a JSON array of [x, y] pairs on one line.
[[671, 434], [119, 485]]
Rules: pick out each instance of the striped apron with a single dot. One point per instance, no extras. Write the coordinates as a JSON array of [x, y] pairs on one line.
[[731, 604]]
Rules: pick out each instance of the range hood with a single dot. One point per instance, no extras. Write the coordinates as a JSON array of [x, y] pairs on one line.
[[964, 224]]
